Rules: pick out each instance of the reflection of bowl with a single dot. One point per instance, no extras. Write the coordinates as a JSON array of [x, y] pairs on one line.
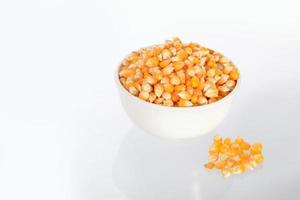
[[147, 168], [175, 122]]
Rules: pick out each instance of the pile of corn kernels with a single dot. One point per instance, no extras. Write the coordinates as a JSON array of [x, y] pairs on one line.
[[178, 74], [233, 156]]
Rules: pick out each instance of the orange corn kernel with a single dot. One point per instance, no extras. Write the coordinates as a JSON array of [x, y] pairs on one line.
[[158, 89], [234, 74], [182, 54], [152, 62], [184, 95], [184, 103], [168, 87], [173, 69], [195, 82], [209, 165], [178, 65], [233, 156], [164, 63]]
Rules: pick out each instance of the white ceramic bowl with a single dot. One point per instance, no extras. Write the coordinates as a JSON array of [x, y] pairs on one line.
[[175, 122]]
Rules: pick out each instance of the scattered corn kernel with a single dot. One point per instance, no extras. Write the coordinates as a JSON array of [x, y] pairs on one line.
[[233, 156]]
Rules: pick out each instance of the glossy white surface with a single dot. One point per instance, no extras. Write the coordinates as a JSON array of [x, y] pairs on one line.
[[64, 134]]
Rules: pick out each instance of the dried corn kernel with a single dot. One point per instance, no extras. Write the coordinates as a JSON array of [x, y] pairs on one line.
[[178, 65], [195, 82], [175, 80], [152, 97], [168, 87], [168, 102], [146, 87], [144, 95], [233, 156], [211, 92], [158, 89], [234, 75], [184, 95], [186, 74], [184, 103], [166, 95], [152, 62], [164, 63], [168, 69]]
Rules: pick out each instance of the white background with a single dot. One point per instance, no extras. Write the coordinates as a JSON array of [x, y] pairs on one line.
[[64, 134]]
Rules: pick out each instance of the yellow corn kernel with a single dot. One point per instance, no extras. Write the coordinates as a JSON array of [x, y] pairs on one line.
[[179, 88], [190, 89], [184, 95], [175, 80], [165, 80], [168, 69], [167, 95], [166, 54], [194, 99], [183, 55], [213, 157], [230, 83], [168, 102], [197, 92], [158, 89], [209, 165], [188, 63], [194, 60], [191, 72], [144, 95], [223, 79], [133, 56], [189, 50], [157, 51], [152, 62], [257, 146], [123, 80], [258, 158], [168, 87], [178, 65], [224, 60], [146, 87], [175, 97], [133, 90], [126, 73], [227, 69], [202, 100], [154, 70], [164, 63], [195, 82], [184, 103], [220, 165], [158, 100], [211, 63], [245, 146], [158, 76], [149, 79], [211, 93], [227, 141], [234, 74], [152, 97], [181, 76], [211, 72]]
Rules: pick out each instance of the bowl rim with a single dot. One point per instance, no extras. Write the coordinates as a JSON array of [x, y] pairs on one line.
[[158, 106]]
